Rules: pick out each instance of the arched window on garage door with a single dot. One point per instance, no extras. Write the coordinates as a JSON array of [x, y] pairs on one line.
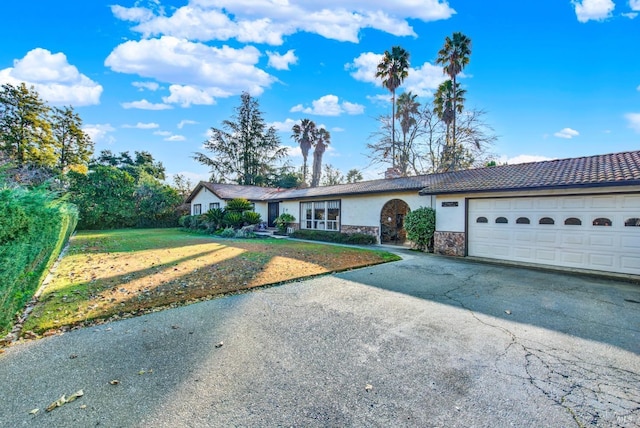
[[523, 220], [632, 222], [482, 220], [573, 221], [546, 220], [502, 220], [602, 221]]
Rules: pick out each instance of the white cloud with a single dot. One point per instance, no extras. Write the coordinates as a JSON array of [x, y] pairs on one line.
[[187, 95], [630, 15], [567, 133], [152, 86], [423, 80], [284, 126], [337, 129], [269, 21], [282, 62], [55, 80], [295, 151], [199, 72], [162, 133], [184, 122], [596, 10], [145, 105], [99, 133], [175, 138], [523, 159], [141, 125], [634, 121], [329, 105], [634, 5]]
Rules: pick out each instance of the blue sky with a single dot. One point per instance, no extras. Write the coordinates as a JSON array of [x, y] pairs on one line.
[[557, 78]]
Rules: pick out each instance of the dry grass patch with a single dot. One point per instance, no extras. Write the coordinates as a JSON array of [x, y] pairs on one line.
[[118, 274]]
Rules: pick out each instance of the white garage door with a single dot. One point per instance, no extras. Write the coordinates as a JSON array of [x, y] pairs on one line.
[[599, 232]]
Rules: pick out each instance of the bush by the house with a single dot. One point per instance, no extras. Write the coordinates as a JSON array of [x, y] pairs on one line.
[[236, 215], [337, 237], [420, 225], [283, 220], [228, 232], [34, 226]]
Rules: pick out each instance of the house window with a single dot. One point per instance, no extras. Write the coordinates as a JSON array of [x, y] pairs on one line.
[[214, 205], [523, 220], [502, 220], [197, 209], [572, 221], [482, 220], [632, 222], [546, 220], [601, 221], [320, 215]]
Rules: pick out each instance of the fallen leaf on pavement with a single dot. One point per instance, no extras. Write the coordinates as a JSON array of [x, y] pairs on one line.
[[369, 387], [508, 312], [114, 382], [219, 345], [34, 411], [75, 395], [59, 402]]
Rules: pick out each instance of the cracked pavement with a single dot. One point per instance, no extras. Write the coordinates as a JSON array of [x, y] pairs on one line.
[[427, 341]]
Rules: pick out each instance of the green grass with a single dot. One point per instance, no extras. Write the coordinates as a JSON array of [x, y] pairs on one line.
[[122, 273]]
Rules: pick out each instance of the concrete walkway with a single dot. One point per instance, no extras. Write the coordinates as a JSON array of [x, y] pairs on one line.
[[428, 341]]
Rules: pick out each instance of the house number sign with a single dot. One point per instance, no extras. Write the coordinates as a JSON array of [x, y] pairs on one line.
[[450, 204]]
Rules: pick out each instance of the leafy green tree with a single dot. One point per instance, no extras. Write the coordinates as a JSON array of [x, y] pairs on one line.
[[155, 203], [454, 57], [73, 146], [331, 176], [447, 104], [393, 69], [322, 141], [305, 134], [420, 225], [183, 186], [408, 112], [143, 162], [104, 196], [354, 176], [25, 129], [245, 147]]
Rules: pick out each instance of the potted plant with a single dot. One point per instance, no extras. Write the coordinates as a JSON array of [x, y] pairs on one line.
[[283, 221]]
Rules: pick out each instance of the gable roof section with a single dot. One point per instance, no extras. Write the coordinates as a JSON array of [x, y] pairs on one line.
[[594, 171], [232, 191]]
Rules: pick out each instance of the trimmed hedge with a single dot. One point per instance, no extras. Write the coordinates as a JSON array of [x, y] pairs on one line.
[[337, 237], [34, 227]]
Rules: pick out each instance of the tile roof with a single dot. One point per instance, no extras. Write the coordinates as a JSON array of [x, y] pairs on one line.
[[592, 171]]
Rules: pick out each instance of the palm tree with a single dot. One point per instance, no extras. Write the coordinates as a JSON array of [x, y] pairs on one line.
[[393, 69], [305, 135], [446, 106], [407, 113], [324, 139], [454, 57]]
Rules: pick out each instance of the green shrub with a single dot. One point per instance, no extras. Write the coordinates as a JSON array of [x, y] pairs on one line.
[[34, 227], [185, 221], [214, 219], [420, 225], [239, 205], [251, 218], [283, 220], [245, 232], [337, 237], [232, 219], [228, 232]]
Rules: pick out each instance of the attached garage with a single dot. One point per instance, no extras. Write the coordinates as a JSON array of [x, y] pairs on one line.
[[581, 213], [598, 232]]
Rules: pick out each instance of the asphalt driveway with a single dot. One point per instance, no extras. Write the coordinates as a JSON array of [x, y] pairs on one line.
[[428, 341]]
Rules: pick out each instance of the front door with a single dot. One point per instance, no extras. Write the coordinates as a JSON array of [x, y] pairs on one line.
[[274, 212]]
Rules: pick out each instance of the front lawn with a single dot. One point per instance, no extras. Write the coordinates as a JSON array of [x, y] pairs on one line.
[[122, 273]]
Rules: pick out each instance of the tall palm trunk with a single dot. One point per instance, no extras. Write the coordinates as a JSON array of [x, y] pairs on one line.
[[393, 129]]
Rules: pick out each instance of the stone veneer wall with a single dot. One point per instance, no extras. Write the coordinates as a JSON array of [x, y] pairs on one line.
[[449, 243], [368, 230]]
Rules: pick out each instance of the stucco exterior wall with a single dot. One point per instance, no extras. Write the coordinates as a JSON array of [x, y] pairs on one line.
[[365, 210], [204, 198], [450, 214]]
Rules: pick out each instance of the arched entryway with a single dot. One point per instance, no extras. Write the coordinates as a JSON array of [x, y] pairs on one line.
[[392, 222]]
